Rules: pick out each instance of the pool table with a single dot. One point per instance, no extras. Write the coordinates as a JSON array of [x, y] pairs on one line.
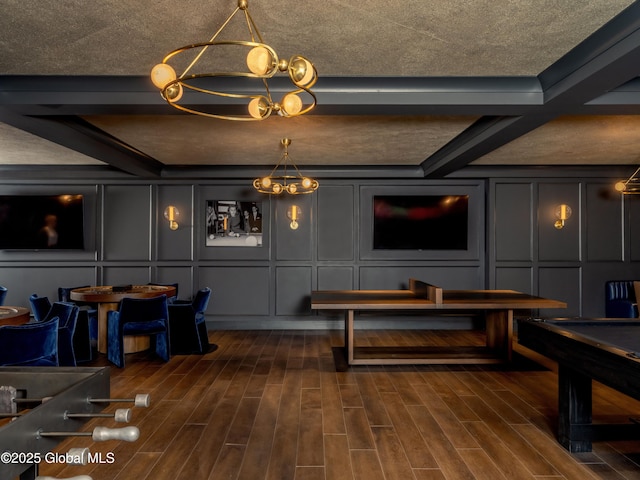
[[605, 350]]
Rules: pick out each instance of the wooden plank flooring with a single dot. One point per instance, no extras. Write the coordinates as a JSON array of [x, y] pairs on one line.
[[271, 405]]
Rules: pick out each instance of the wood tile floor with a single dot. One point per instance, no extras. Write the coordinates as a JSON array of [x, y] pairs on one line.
[[271, 405]]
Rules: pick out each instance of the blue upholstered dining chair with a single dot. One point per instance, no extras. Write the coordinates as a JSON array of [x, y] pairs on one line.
[[138, 316], [67, 313], [31, 344], [3, 294], [188, 330], [85, 340], [40, 306]]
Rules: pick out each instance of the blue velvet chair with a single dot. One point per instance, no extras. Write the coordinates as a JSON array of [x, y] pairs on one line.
[[138, 316], [85, 340], [3, 294], [620, 299], [40, 306], [32, 344], [188, 330], [67, 313]]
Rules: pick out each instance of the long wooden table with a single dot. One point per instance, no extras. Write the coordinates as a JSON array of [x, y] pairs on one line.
[[496, 306], [107, 299]]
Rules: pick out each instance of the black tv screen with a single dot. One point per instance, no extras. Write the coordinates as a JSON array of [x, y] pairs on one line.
[[420, 222], [41, 222]]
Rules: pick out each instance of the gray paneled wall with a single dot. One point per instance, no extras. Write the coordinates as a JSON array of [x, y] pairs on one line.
[[570, 264], [513, 245]]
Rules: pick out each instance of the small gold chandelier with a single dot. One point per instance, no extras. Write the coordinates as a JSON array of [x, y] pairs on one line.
[[262, 62], [286, 182], [631, 186]]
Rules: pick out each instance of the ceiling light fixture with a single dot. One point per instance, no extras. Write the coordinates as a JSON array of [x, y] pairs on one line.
[[294, 184], [262, 62], [631, 186]]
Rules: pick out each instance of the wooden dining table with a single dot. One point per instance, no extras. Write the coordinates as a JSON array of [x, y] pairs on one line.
[[107, 298], [14, 315]]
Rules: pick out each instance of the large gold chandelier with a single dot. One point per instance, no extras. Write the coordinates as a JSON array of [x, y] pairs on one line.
[[285, 177], [185, 91], [630, 186]]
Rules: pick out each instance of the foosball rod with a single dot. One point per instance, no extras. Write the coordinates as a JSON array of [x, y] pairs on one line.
[[100, 434], [141, 400], [121, 415]]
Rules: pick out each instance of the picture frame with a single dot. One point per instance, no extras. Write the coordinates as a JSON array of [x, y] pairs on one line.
[[233, 223]]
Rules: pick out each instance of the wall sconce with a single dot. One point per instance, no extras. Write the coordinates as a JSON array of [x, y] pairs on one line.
[[294, 213], [172, 214], [562, 212]]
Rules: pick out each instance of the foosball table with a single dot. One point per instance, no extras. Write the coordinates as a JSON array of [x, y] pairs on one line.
[[40, 406]]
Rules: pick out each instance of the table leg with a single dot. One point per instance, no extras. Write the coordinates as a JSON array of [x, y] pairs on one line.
[[574, 409], [499, 331], [348, 335]]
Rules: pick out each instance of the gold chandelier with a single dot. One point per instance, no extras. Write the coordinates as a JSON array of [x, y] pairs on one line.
[[262, 62], [294, 184], [631, 186]]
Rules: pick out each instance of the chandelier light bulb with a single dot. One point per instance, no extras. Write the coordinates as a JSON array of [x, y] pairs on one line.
[[259, 107], [266, 182], [292, 188], [162, 74], [301, 71], [277, 188], [291, 104], [306, 182], [620, 186], [259, 60]]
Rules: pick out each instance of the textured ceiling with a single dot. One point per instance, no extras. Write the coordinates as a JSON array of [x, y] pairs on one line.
[[424, 83]]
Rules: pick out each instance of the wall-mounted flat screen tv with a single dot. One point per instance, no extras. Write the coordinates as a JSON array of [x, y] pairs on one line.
[[420, 222], [41, 222]]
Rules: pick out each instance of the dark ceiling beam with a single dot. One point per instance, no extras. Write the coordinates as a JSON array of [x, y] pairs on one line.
[[608, 59], [98, 95], [81, 136]]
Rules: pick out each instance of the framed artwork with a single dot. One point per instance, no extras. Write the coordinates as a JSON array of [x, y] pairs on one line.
[[233, 223]]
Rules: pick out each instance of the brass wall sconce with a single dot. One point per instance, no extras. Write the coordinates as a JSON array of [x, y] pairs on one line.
[[294, 213], [563, 213], [172, 214]]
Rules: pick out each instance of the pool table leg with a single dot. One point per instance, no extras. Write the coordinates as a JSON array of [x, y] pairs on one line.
[[574, 409]]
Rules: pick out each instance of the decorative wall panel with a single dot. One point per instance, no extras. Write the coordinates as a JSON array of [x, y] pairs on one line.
[[561, 284], [335, 278], [513, 222], [335, 223], [515, 278], [604, 224], [293, 291], [236, 290], [174, 244], [558, 244], [127, 222]]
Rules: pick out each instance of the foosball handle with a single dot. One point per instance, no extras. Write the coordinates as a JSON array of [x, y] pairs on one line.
[[77, 477], [142, 400], [128, 434]]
